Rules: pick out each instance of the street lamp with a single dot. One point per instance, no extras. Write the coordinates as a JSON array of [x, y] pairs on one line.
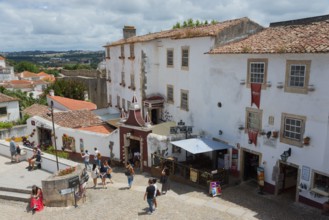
[[52, 119]]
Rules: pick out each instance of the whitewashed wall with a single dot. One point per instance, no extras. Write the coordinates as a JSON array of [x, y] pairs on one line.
[[12, 111], [90, 139]]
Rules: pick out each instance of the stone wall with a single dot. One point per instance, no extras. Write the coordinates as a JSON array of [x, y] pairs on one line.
[[53, 185], [97, 89]]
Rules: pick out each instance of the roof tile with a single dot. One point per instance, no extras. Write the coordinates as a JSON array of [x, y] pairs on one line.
[[73, 104]]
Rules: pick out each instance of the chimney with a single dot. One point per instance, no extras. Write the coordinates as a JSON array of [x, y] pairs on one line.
[[129, 31], [51, 92]]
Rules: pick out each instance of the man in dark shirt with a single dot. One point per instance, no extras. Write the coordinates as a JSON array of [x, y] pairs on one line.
[[149, 194]]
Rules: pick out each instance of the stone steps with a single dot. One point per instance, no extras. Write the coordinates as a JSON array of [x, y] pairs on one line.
[[21, 195]]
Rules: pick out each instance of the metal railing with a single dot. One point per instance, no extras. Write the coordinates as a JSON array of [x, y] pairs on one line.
[[188, 173]]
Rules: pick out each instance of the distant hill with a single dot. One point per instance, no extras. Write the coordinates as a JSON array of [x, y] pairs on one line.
[[56, 58]]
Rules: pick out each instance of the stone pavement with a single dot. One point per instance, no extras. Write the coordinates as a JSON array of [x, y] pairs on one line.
[[181, 202]]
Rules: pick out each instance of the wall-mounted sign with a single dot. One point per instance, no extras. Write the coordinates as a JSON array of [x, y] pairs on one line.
[[306, 173]]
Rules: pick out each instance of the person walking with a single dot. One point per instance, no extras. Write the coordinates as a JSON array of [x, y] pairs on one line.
[[86, 158], [94, 174], [109, 171], [165, 180], [130, 173], [149, 195], [103, 174], [96, 156], [12, 148], [154, 183]]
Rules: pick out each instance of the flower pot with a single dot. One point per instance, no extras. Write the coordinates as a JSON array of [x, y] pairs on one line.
[[307, 140]]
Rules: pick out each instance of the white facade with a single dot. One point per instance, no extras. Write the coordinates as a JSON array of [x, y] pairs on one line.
[[90, 139], [217, 100], [12, 111]]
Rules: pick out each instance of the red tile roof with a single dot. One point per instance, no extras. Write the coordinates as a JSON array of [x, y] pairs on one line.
[[289, 37], [201, 31], [2, 58], [104, 129], [75, 119], [6, 98], [73, 104], [36, 110], [27, 74], [70, 119]]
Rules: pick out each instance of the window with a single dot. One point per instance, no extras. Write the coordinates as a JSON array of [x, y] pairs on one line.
[[170, 57], [132, 82], [254, 119], [184, 100], [122, 56], [3, 110], [123, 83], [128, 104], [292, 127], [124, 104], [185, 57], [170, 94], [109, 75], [118, 102], [132, 51], [257, 71], [320, 183], [297, 76], [110, 100], [107, 53]]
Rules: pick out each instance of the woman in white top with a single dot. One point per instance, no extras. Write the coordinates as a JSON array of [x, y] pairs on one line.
[[155, 194], [94, 174]]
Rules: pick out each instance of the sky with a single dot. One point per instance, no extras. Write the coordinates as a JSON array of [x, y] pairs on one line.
[[90, 24]]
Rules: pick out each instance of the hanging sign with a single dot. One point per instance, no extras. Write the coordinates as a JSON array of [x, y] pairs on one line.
[[215, 189]]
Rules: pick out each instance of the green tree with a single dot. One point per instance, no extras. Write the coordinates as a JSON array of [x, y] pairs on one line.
[[26, 66], [214, 21], [205, 22], [197, 23], [67, 88], [184, 24], [190, 22]]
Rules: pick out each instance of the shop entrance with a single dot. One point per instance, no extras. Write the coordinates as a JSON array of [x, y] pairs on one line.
[[251, 162], [44, 137], [287, 181], [155, 116], [134, 153]]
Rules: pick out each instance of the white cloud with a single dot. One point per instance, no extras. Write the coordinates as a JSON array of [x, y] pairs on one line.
[[85, 24]]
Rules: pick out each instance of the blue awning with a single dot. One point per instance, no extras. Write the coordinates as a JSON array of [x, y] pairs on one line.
[[200, 145]]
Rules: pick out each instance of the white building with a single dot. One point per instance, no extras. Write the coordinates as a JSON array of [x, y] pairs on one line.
[[6, 72], [9, 108], [211, 92]]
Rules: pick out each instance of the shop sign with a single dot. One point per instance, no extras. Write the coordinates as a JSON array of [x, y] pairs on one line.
[[215, 189]]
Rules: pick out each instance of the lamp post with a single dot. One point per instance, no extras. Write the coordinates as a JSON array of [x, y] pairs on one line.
[[52, 119]]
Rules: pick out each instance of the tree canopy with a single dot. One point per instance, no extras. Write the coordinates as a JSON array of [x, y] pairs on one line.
[[67, 88], [191, 23]]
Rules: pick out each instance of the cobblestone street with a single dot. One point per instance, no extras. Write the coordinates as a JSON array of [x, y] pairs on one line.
[[182, 202]]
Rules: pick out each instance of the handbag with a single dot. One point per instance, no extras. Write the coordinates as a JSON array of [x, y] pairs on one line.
[[127, 173]]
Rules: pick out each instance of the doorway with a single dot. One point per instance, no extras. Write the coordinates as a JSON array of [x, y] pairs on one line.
[[251, 162], [134, 153], [287, 181], [154, 116], [44, 138]]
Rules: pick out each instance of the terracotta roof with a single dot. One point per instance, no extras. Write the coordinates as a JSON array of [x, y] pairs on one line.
[[73, 104], [309, 36], [6, 98], [201, 31], [69, 119], [42, 74], [104, 129], [75, 119], [20, 82], [36, 110], [2, 58], [27, 74], [49, 78]]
